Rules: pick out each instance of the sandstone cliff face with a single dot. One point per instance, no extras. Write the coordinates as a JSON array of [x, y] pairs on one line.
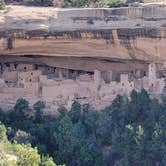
[[89, 55], [134, 33]]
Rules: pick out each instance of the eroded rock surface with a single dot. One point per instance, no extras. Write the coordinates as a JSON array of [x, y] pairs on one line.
[[90, 55], [124, 33]]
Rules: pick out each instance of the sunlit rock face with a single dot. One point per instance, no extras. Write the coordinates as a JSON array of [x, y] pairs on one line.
[[124, 33], [91, 54]]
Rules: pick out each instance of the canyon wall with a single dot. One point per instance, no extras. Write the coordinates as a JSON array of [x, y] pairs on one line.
[[131, 33], [90, 55]]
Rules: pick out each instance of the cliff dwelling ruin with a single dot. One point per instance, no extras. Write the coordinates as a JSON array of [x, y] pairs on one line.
[[89, 55]]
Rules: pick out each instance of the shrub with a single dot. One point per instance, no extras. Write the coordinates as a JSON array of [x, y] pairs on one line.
[[38, 107], [116, 3], [2, 4], [120, 3], [41, 2], [80, 3], [2, 133]]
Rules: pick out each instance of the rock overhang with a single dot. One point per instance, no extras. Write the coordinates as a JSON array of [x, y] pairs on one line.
[[129, 33]]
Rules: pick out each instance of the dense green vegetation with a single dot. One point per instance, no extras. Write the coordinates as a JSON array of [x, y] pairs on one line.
[[73, 3], [41, 2], [82, 3], [14, 154], [127, 133], [121, 3], [98, 3]]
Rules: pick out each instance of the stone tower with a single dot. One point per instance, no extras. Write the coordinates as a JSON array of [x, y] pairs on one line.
[[152, 72]]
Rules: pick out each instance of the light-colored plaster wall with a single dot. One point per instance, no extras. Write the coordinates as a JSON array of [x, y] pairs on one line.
[[10, 76]]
